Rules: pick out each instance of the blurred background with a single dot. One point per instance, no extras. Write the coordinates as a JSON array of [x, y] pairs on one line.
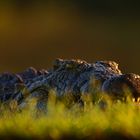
[[35, 32]]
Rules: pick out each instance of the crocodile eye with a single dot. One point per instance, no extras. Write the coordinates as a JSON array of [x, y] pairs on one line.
[[57, 63], [68, 66]]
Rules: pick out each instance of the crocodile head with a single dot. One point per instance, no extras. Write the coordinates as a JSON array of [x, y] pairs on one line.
[[58, 63], [108, 67], [74, 64], [67, 64]]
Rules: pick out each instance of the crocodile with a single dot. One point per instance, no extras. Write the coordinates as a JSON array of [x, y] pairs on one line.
[[74, 77]]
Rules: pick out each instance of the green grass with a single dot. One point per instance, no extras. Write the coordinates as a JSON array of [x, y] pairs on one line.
[[116, 121]]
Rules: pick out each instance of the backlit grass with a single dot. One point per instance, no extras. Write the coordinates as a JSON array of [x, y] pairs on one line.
[[115, 121]]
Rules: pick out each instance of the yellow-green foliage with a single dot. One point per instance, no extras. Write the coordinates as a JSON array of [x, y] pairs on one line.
[[118, 120]]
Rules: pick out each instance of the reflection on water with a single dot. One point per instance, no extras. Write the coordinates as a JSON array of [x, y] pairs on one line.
[[36, 34]]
